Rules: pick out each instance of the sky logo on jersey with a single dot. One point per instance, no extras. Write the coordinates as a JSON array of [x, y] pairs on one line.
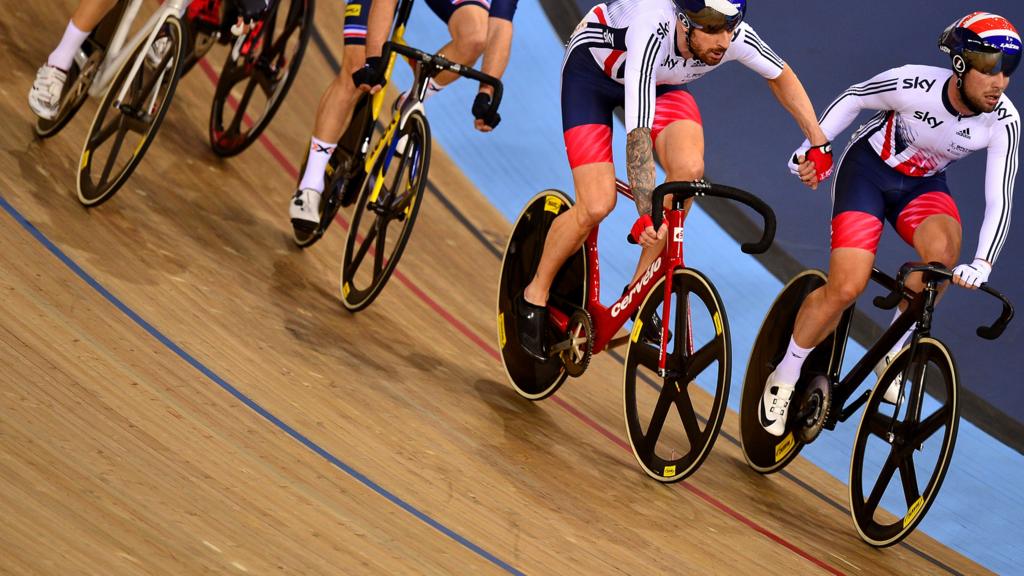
[[928, 119], [918, 82]]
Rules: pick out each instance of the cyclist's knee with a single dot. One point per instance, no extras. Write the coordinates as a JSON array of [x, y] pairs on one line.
[[590, 214], [942, 249], [685, 169], [471, 42], [842, 292]]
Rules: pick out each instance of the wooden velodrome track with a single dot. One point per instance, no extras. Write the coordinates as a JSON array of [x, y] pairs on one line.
[[182, 392]]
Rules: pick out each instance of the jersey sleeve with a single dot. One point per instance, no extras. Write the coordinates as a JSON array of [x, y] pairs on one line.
[[645, 41], [878, 93], [1000, 172], [748, 48]]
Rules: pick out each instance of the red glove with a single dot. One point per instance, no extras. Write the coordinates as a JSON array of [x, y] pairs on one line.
[[638, 228], [821, 156]]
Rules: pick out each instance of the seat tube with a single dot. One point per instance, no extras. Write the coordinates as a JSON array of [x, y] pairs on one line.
[[593, 270], [676, 219]]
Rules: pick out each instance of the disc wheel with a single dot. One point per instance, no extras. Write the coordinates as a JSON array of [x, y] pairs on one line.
[[764, 452], [673, 420], [532, 379], [899, 462], [383, 219], [122, 131], [252, 86]]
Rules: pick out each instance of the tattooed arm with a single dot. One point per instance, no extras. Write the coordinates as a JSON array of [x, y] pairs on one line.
[[640, 168]]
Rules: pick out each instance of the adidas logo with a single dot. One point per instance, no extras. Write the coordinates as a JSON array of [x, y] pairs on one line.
[[966, 133]]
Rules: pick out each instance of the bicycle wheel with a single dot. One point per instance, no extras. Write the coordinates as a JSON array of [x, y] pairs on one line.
[[885, 510], [698, 357], [121, 132], [764, 452], [384, 215], [532, 379], [269, 60], [344, 173]]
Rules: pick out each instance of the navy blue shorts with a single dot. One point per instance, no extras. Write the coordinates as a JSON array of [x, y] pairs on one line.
[[504, 9], [356, 14], [866, 192]]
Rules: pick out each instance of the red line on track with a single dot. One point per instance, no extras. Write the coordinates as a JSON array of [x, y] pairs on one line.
[[473, 337]]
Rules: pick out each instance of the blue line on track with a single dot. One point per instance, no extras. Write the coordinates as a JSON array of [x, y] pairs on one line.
[[362, 478]]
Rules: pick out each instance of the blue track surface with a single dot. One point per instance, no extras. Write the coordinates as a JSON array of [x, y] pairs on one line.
[[980, 507]]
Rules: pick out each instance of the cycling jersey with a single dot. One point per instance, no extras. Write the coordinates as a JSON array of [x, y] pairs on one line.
[[918, 133], [634, 42]]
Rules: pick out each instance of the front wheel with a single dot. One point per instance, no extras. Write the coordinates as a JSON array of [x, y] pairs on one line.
[[122, 130], [673, 420], [886, 509], [252, 86], [385, 212]]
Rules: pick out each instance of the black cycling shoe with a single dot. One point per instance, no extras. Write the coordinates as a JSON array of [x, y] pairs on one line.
[[651, 331], [531, 320]]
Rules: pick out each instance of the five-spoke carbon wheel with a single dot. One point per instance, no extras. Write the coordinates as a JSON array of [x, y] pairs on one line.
[[900, 459], [123, 129], [384, 214], [673, 419]]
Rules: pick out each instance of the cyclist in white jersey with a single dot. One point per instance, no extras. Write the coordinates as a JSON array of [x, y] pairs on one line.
[[894, 169], [640, 54]]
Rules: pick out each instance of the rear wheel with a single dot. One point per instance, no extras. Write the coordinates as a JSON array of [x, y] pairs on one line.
[[532, 379], [899, 462], [673, 421], [122, 130]]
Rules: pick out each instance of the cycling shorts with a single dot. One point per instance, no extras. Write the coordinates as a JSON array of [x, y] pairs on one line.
[[504, 9], [589, 99], [866, 192], [357, 12]]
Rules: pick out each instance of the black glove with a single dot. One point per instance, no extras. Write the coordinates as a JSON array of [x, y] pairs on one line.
[[482, 110], [371, 74]]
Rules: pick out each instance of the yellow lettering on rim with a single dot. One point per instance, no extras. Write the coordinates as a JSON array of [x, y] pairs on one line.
[[914, 510], [718, 323], [782, 449], [669, 471], [552, 204], [501, 329], [85, 159], [637, 325]]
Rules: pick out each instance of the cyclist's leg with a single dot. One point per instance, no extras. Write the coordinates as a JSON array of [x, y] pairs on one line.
[[467, 23], [44, 96], [332, 117]]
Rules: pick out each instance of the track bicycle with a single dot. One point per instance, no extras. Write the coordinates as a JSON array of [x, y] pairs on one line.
[[136, 77], [914, 437], [385, 181], [661, 373]]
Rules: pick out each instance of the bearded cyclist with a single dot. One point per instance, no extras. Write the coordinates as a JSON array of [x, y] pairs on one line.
[[44, 97], [641, 54], [894, 169]]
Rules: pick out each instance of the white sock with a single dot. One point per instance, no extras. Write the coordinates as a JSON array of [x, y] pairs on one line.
[[788, 371], [432, 89], [64, 54], [319, 153]]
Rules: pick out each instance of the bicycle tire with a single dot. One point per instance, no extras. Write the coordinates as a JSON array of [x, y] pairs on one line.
[[355, 293], [934, 362], [93, 194], [231, 141], [672, 457], [531, 379]]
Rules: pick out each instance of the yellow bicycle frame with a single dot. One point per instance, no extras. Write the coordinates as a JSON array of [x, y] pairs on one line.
[[378, 102]]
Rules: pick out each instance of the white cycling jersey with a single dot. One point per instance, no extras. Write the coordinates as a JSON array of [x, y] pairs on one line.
[[918, 133], [634, 42]]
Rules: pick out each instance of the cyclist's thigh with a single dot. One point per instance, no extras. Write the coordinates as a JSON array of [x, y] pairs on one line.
[[858, 200], [928, 205], [589, 99], [678, 134]]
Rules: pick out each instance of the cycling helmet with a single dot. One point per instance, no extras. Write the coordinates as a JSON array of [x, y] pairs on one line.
[[983, 41], [711, 16]]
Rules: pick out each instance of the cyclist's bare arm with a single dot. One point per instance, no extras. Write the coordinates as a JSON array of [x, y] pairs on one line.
[[497, 51], [791, 94]]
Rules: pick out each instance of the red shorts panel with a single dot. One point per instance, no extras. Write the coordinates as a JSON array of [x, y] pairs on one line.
[[588, 143], [920, 208], [853, 229], [672, 106]]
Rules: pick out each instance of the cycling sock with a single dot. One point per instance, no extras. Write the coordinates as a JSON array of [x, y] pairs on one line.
[[64, 54], [432, 89], [788, 371], [319, 153]]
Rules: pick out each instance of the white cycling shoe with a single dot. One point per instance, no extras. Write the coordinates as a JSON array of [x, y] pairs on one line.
[[44, 97], [892, 392], [775, 405], [304, 209]]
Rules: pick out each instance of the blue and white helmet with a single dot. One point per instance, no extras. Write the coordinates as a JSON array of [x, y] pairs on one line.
[[712, 16]]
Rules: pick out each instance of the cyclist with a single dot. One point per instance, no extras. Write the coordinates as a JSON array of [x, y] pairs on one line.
[[476, 26], [894, 169], [641, 54], [44, 96]]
